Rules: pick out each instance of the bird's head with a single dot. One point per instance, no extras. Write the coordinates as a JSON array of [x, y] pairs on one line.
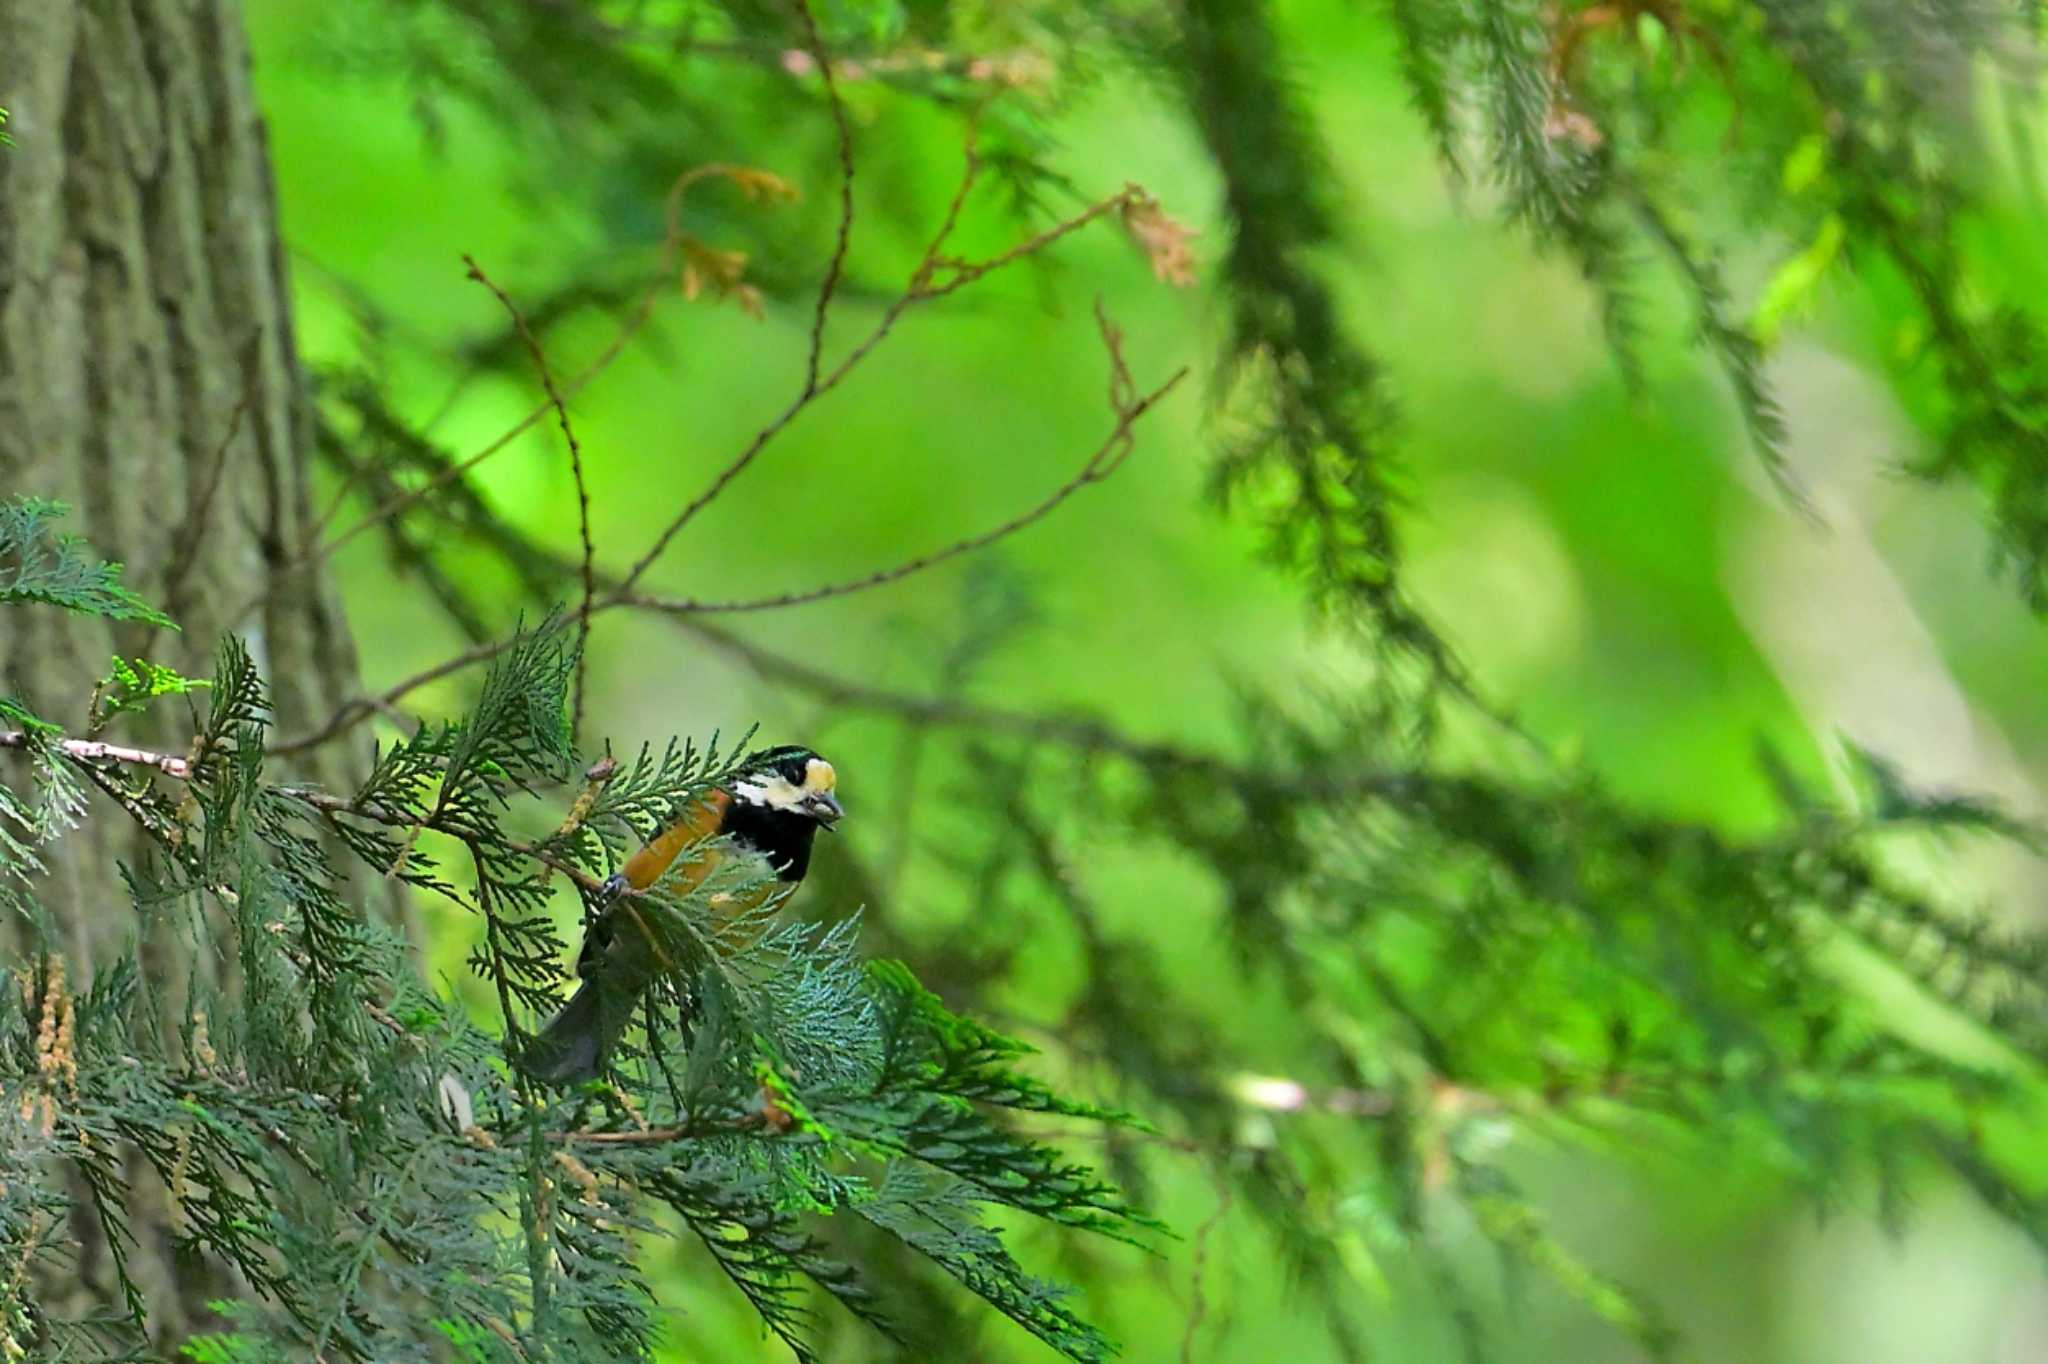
[[791, 780]]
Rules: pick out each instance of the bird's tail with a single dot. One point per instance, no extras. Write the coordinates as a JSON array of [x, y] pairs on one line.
[[572, 1048]]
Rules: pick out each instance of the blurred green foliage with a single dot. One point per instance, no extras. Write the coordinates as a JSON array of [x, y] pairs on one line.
[[1591, 546]]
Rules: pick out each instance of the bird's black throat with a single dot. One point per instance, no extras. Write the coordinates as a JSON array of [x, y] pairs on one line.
[[782, 836]]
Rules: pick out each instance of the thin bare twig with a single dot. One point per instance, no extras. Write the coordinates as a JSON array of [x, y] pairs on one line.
[[671, 247], [627, 331], [192, 534], [845, 235], [922, 289], [934, 277], [1198, 1298], [1068, 731], [547, 379], [515, 1036], [718, 485], [970, 172]]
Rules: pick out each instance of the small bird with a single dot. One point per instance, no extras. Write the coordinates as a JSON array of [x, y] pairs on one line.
[[770, 808]]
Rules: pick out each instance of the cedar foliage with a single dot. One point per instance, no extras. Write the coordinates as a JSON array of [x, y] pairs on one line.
[[1472, 952], [355, 1149]]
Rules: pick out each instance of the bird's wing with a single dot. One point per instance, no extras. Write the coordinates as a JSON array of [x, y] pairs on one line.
[[699, 822]]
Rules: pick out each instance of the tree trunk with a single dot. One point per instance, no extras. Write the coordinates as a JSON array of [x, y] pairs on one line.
[[148, 378]]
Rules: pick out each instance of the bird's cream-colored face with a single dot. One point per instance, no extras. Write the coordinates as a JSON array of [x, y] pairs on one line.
[[781, 788]]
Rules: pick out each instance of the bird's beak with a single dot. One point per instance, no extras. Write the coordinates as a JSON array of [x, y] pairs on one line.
[[824, 807]]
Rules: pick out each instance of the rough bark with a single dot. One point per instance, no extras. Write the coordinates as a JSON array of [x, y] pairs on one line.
[[148, 378]]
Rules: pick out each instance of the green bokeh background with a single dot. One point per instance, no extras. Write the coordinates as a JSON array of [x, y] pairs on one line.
[[1614, 567]]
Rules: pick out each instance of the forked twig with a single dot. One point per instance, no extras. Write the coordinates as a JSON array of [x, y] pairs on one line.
[[1106, 459], [814, 356], [1103, 462], [377, 516], [643, 311], [921, 289]]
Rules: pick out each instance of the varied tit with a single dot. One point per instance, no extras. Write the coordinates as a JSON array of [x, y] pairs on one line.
[[770, 808]]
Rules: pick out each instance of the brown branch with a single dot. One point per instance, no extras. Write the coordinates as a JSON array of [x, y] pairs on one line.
[[547, 379], [817, 383], [925, 284], [965, 273], [658, 1136], [812, 387], [361, 708], [1068, 731], [1198, 1299], [671, 247], [923, 290], [333, 806], [90, 753], [718, 485], [970, 171], [91, 750]]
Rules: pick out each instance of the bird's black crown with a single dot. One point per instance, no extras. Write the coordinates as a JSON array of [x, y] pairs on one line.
[[789, 761]]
